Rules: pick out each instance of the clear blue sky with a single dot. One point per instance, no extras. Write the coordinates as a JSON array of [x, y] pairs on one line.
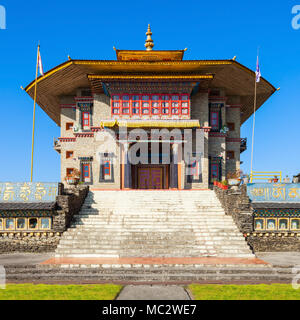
[[90, 29]]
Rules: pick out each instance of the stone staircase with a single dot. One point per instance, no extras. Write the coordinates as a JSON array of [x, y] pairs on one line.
[[140, 223]]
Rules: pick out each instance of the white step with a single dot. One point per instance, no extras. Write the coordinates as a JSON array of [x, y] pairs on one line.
[[153, 223]]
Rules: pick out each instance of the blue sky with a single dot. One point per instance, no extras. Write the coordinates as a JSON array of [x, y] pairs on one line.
[[90, 29]]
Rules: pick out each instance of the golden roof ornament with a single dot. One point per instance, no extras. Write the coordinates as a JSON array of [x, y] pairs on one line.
[[149, 42]]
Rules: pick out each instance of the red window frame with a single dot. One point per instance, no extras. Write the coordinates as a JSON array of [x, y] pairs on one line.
[[164, 107], [157, 107], [187, 101], [69, 171], [230, 155], [69, 125], [106, 167], [183, 98], [69, 154], [112, 104], [123, 107], [214, 167], [144, 107], [231, 126], [85, 116], [138, 102], [174, 107], [217, 119], [86, 168]]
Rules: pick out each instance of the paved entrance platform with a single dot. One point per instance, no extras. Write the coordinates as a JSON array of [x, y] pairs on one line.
[[153, 292], [24, 258], [280, 258], [154, 261]]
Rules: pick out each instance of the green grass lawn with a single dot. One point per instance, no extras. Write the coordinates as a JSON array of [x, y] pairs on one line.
[[59, 292], [244, 292]]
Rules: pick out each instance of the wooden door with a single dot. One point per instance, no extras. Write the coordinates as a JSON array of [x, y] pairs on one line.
[[150, 178]]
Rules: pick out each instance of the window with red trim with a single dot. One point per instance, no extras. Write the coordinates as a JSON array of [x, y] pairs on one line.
[[125, 105], [85, 120], [214, 120], [175, 104], [214, 171], [231, 126], [69, 125], [106, 168], [115, 104], [69, 171], [150, 104], [145, 105], [135, 105], [155, 105], [229, 155], [86, 171], [165, 105], [185, 104], [69, 154]]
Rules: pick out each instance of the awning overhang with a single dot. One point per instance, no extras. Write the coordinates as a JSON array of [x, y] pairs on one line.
[[65, 79]]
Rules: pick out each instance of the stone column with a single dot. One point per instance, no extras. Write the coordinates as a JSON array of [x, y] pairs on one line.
[[127, 167]]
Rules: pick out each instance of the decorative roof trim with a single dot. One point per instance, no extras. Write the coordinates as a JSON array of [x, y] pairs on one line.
[[180, 77], [114, 62]]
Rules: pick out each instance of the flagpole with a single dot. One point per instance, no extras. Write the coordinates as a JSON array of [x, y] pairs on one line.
[[254, 113], [251, 171], [34, 107]]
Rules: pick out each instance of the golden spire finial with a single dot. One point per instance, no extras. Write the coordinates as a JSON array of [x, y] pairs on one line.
[[149, 42]]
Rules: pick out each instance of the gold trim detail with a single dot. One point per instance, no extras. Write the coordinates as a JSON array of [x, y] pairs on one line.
[[104, 76]]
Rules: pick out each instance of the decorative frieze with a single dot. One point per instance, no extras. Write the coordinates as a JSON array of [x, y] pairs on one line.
[[84, 99], [84, 135], [67, 139]]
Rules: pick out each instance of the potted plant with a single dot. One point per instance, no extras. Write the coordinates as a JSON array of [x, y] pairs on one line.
[[224, 184], [275, 180], [73, 178], [224, 129], [246, 178], [233, 178]]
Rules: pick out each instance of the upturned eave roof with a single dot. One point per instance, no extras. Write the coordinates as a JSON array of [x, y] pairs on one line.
[[64, 79]]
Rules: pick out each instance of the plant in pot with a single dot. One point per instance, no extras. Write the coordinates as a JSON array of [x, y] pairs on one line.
[[233, 178], [73, 178], [224, 184], [246, 178], [214, 181]]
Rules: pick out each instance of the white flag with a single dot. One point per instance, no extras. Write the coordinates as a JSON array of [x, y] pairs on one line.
[[40, 65], [257, 72]]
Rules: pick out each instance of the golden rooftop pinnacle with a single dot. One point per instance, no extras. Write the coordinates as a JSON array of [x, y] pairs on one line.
[[149, 42]]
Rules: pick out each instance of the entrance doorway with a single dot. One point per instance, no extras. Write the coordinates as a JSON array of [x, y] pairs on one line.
[[151, 177]]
